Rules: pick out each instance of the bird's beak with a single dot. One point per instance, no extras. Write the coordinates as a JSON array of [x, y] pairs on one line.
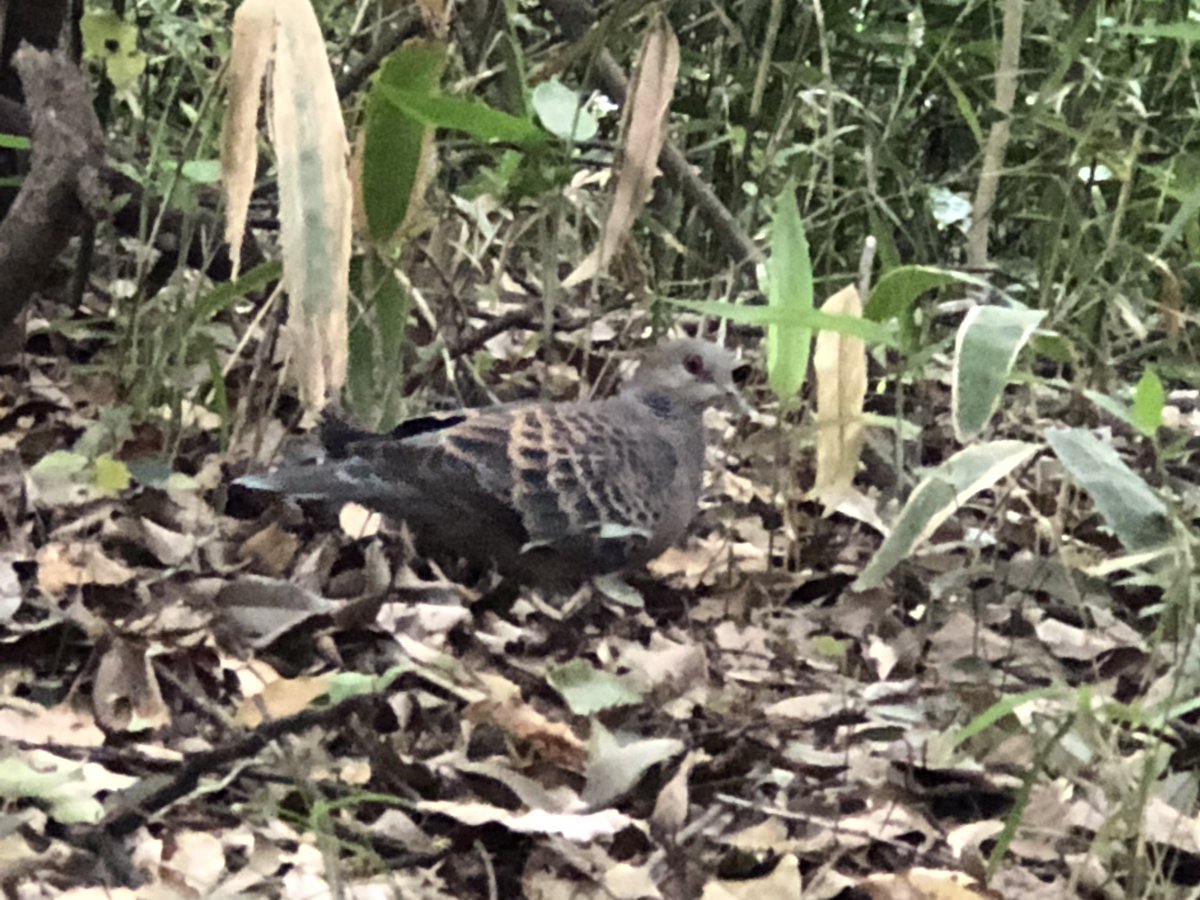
[[734, 399]]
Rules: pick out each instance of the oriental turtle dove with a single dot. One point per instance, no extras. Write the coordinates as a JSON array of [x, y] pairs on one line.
[[553, 493]]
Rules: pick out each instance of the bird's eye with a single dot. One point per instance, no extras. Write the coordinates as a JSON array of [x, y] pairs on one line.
[[693, 364]]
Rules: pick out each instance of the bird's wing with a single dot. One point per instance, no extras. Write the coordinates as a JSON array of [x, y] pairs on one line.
[[589, 481], [596, 473]]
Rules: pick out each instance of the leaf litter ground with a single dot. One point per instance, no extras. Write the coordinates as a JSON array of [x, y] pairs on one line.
[[292, 703]]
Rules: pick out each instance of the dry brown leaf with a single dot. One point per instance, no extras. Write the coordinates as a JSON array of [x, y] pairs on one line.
[[284, 697], [61, 566], [783, 882], [645, 131], [580, 827], [195, 859], [311, 148], [504, 708], [671, 805], [60, 725], [126, 696], [1170, 296], [924, 884], [436, 15], [250, 51], [840, 363], [171, 548], [623, 881], [272, 550]]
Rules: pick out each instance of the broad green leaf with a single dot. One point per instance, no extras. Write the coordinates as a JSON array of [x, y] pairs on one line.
[[1130, 508], [474, 117], [1149, 399], [987, 345], [939, 495], [789, 289], [561, 110], [589, 690], [394, 141], [896, 292]]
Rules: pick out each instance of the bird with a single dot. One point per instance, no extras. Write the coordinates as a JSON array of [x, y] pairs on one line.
[[552, 493]]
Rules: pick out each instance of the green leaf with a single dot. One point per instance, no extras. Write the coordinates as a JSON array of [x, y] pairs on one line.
[[898, 289], [589, 690], [225, 295], [394, 140], [1001, 709], [110, 39], [202, 171], [812, 319], [60, 464], [1113, 407], [789, 290], [988, 342], [1132, 510], [1149, 400], [112, 475], [562, 111], [474, 117], [1180, 31], [940, 494], [344, 685], [14, 142]]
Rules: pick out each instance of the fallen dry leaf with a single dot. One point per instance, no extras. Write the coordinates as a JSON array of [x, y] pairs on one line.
[[61, 566]]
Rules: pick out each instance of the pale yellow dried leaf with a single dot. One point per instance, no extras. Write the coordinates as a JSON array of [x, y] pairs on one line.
[[358, 522], [250, 51], [197, 860], [671, 805], [645, 131], [62, 724], [623, 881], [284, 697], [922, 884], [75, 564], [436, 15], [840, 363], [314, 201]]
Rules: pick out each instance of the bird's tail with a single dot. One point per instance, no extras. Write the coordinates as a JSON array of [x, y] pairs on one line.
[[340, 481]]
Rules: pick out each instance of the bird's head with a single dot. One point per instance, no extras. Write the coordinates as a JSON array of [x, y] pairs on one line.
[[692, 373]]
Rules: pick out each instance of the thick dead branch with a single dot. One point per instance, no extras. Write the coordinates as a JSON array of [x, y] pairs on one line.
[[574, 18], [64, 177]]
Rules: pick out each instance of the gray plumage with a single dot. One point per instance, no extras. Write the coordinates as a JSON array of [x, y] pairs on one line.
[[553, 493]]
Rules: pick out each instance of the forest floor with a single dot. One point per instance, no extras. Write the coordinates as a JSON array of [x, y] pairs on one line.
[[289, 704]]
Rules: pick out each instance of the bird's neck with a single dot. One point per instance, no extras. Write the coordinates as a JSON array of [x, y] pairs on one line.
[[661, 403]]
